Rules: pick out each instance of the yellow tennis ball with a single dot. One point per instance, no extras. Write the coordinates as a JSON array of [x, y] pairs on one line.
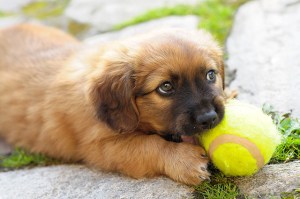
[[243, 142]]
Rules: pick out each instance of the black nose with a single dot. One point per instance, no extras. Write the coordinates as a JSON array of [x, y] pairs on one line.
[[207, 120]]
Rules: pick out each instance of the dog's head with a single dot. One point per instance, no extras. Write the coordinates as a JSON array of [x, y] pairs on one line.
[[168, 82]]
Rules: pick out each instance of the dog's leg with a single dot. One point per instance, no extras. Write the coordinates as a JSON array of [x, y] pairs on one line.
[[139, 155]]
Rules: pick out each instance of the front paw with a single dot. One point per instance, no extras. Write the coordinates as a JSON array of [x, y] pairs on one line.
[[186, 163]]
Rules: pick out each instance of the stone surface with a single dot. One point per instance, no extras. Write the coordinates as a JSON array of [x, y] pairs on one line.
[[103, 14], [13, 5], [272, 180], [186, 22], [76, 181], [263, 48], [14, 20]]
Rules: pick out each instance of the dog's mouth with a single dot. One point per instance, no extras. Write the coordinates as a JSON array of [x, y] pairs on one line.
[[192, 139]]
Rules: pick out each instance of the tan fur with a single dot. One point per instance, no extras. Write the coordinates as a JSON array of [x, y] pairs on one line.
[[51, 87]]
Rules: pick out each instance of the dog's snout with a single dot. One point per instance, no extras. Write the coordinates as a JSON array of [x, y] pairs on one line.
[[207, 120]]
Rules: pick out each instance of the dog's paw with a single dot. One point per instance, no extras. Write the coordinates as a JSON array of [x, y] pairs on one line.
[[187, 163]]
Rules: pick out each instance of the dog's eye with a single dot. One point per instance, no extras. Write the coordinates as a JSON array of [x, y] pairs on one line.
[[211, 76], [165, 88]]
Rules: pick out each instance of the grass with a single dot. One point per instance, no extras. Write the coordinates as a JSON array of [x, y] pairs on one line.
[[21, 158], [289, 127], [2, 14], [219, 187], [291, 195], [5, 14], [216, 16], [43, 9], [46, 11]]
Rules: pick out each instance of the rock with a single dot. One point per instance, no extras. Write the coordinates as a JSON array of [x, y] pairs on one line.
[[10, 21], [186, 22], [14, 6], [104, 14], [272, 180], [263, 48], [76, 181]]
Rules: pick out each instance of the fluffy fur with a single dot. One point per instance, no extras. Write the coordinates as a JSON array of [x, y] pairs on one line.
[[103, 105]]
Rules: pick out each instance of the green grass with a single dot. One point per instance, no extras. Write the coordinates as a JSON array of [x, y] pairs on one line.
[[5, 14], [291, 195], [21, 158], [219, 187], [289, 127], [216, 16], [44, 9], [2, 14]]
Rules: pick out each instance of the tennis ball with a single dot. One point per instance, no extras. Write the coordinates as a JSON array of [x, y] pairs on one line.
[[243, 142]]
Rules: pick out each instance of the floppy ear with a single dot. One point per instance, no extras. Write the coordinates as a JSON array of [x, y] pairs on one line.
[[114, 99], [218, 57]]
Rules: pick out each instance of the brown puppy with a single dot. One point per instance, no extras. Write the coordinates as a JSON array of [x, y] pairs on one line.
[[130, 106]]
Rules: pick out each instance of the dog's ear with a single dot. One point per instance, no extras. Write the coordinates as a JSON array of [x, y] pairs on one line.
[[113, 97], [218, 57]]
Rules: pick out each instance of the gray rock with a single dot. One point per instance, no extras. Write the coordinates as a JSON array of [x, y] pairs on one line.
[[14, 5], [263, 48], [186, 22], [272, 180], [104, 14], [10, 21], [75, 181]]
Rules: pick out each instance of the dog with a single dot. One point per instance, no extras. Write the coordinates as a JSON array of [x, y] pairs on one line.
[[132, 106]]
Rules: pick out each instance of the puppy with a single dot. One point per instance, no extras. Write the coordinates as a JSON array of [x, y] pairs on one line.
[[131, 106]]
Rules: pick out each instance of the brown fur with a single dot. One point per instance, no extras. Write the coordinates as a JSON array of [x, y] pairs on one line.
[[99, 105]]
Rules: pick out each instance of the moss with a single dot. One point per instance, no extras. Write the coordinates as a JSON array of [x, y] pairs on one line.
[[5, 14], [44, 9], [215, 16], [291, 195], [20, 158], [76, 28], [289, 127], [219, 187]]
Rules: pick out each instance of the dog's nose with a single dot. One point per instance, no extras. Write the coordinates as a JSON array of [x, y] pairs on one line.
[[207, 120]]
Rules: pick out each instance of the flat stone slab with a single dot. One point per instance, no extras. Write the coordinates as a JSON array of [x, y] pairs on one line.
[[104, 14], [13, 6], [189, 22], [264, 49], [76, 181], [272, 180]]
